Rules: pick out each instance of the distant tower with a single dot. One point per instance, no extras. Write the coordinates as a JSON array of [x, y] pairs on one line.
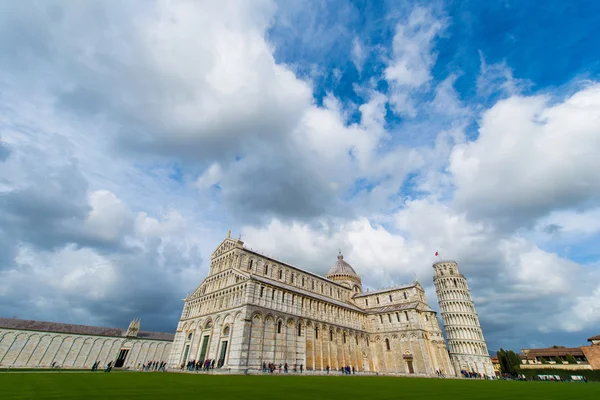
[[466, 344], [134, 328]]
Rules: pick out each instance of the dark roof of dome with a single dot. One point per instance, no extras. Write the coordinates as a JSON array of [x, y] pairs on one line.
[[341, 267]]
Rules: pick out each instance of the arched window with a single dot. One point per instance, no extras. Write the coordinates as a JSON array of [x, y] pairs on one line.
[[377, 300], [366, 302], [367, 341], [299, 329], [266, 270], [313, 285], [391, 298], [292, 278], [280, 274], [406, 315], [262, 290], [405, 296], [316, 332], [387, 344], [356, 337], [390, 318], [279, 327], [344, 337], [381, 319], [331, 336], [283, 297], [272, 294], [426, 317], [303, 281], [190, 336], [226, 331], [331, 291], [250, 265]]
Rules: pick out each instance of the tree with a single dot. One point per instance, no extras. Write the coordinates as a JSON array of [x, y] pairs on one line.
[[558, 360], [571, 359], [510, 362]]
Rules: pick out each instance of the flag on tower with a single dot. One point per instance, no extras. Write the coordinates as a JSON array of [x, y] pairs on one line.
[[436, 253]]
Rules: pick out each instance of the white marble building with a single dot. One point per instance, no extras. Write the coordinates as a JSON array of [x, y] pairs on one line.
[[468, 350], [39, 344], [253, 309]]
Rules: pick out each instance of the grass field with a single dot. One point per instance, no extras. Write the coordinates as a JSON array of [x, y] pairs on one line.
[[166, 386]]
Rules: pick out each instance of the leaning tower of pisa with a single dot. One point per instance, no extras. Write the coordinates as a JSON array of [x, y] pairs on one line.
[[466, 344]]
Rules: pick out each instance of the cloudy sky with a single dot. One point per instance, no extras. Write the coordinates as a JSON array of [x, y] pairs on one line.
[[133, 135]]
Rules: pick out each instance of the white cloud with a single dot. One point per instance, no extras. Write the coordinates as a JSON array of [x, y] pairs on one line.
[[211, 176], [531, 157], [512, 280], [92, 218], [498, 78], [412, 59], [358, 54], [109, 217]]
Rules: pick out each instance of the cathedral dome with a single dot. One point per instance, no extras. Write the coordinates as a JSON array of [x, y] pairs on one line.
[[341, 267], [344, 274]]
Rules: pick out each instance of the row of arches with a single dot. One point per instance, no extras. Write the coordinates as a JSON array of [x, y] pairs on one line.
[[465, 347], [231, 297], [464, 333], [281, 300], [262, 267], [219, 281], [450, 282], [281, 339], [447, 295], [223, 262], [456, 306], [42, 350], [208, 338], [460, 319]]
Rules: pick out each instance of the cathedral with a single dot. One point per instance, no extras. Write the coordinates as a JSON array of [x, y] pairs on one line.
[[253, 310]]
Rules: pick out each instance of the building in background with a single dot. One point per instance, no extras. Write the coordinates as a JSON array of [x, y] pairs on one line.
[[468, 350], [38, 344], [563, 358], [253, 310], [556, 357], [592, 352]]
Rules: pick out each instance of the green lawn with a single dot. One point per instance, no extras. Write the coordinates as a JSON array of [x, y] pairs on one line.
[[166, 386]]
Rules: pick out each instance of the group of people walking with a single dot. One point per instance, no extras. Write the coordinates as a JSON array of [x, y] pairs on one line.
[[272, 367], [472, 374], [155, 366], [194, 365]]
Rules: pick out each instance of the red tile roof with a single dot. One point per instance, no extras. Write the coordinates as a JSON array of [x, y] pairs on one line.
[[552, 352]]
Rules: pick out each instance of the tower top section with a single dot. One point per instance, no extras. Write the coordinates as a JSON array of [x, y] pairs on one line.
[[445, 268]]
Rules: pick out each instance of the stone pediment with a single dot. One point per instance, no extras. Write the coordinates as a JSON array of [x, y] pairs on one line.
[[227, 245]]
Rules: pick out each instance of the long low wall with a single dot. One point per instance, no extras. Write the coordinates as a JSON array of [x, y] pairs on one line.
[[35, 349]]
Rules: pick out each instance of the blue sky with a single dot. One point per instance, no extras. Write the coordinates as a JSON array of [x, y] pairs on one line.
[[133, 137]]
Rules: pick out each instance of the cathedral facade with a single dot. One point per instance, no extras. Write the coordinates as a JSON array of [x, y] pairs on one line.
[[253, 310]]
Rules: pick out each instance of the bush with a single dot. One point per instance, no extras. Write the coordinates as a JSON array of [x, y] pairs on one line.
[[558, 360], [571, 359]]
